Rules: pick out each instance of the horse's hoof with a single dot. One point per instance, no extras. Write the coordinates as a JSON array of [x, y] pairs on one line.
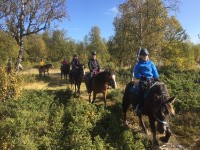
[[155, 142], [164, 139]]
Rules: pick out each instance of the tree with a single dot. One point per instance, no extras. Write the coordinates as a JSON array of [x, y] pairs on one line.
[[176, 50], [8, 48], [140, 23], [97, 44], [35, 47], [25, 17]]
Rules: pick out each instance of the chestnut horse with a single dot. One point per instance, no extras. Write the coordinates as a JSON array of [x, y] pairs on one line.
[[99, 84], [76, 77], [157, 106]]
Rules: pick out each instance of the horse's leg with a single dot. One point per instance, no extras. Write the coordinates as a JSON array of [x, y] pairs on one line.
[[90, 97], [78, 88], [125, 105], [94, 97], [104, 98], [153, 130], [141, 124], [168, 134]]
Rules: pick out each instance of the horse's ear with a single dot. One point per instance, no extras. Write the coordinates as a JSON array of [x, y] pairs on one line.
[[171, 100]]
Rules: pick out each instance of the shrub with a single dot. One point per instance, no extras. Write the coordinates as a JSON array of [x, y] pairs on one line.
[[9, 85]]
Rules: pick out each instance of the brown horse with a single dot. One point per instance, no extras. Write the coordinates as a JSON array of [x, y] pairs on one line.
[[45, 68], [157, 106], [99, 84], [76, 77], [65, 69]]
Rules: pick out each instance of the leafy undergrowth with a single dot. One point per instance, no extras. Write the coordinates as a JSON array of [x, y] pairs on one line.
[[56, 120]]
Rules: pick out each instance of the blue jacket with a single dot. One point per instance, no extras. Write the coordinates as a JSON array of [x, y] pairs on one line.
[[145, 68]]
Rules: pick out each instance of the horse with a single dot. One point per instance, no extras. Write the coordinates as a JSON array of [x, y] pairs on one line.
[[99, 84], [76, 77], [45, 68], [65, 69], [157, 107]]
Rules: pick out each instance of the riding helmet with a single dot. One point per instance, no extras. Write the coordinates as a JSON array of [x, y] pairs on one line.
[[94, 53], [75, 55], [144, 52]]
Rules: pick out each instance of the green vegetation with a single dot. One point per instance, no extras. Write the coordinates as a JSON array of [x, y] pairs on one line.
[[48, 120], [54, 119]]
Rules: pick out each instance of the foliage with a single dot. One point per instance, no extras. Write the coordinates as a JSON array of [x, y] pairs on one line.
[[22, 18], [8, 48], [9, 85], [123, 76], [184, 87], [42, 120]]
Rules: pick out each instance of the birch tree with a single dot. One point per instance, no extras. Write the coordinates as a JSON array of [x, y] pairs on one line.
[[24, 17]]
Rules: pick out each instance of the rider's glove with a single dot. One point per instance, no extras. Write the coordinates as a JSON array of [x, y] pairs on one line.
[[143, 78], [156, 79]]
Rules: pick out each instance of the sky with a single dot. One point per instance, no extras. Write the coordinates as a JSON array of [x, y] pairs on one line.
[[85, 14]]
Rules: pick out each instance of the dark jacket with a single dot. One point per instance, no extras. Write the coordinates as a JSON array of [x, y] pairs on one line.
[[93, 65], [75, 63]]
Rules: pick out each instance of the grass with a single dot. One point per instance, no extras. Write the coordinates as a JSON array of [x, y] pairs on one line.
[[53, 82]]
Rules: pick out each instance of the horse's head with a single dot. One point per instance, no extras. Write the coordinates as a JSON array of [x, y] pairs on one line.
[[163, 108], [111, 79], [51, 66], [81, 68]]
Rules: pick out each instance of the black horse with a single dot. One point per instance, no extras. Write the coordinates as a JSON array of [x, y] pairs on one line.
[[76, 77], [65, 69], [99, 84], [157, 106], [45, 69]]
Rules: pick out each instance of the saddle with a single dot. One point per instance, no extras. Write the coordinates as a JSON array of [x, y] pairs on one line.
[[146, 85]]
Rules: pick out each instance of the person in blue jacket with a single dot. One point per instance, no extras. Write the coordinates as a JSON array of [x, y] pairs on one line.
[[144, 70]]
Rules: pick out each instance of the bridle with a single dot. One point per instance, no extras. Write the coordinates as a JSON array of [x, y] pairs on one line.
[[163, 102]]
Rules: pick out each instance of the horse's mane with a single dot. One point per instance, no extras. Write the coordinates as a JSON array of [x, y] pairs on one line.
[[164, 91], [163, 88], [102, 76]]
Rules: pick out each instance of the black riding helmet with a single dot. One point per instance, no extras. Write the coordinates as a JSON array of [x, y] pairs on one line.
[[75, 55], [93, 53], [144, 52]]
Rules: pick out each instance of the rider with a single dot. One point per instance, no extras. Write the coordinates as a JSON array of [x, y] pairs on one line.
[[94, 68], [93, 64], [64, 62], [42, 63], [75, 62], [145, 70]]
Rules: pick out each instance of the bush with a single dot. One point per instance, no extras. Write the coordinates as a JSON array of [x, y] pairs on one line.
[[9, 85]]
